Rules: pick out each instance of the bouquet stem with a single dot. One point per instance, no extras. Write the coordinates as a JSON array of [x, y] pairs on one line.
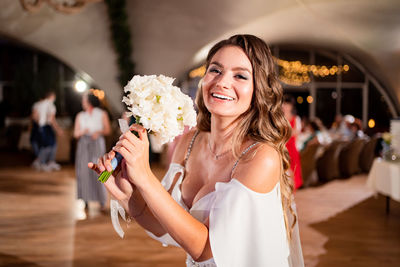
[[114, 164], [118, 157]]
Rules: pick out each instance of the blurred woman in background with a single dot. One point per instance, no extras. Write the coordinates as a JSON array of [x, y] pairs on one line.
[[288, 107], [91, 125]]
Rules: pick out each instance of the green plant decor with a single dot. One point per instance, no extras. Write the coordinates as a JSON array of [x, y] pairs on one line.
[[121, 38]]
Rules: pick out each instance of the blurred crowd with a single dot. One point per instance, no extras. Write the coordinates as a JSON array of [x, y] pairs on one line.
[[345, 128], [308, 132]]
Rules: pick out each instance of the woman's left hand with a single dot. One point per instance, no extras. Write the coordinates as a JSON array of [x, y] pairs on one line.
[[135, 151]]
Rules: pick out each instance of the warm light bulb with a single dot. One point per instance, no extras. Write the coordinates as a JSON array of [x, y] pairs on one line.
[[101, 95], [300, 100], [198, 72], [310, 99], [80, 86], [371, 123]]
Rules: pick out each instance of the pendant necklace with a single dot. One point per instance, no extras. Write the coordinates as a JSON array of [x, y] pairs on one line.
[[217, 156]]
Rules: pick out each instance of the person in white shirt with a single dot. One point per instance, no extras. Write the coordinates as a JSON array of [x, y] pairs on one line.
[[44, 118]]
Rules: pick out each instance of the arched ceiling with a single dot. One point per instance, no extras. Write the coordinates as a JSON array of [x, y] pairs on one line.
[[81, 40], [169, 37]]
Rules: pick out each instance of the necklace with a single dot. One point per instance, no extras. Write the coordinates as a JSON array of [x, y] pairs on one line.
[[217, 156]]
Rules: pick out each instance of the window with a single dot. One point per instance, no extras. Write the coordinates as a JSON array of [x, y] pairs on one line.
[[326, 105]]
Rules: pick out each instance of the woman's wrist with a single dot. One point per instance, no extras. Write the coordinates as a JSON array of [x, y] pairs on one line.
[[136, 205], [138, 212], [146, 184]]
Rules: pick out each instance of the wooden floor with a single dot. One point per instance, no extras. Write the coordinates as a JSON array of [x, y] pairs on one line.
[[341, 224]]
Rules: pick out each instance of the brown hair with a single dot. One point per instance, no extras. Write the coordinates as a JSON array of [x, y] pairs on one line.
[[264, 121]]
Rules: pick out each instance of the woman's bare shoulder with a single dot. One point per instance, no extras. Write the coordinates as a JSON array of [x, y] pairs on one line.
[[261, 172], [182, 146]]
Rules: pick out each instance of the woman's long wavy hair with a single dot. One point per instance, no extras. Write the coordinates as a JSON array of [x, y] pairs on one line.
[[264, 121]]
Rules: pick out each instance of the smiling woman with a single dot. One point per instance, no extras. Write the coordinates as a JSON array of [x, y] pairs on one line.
[[226, 198]]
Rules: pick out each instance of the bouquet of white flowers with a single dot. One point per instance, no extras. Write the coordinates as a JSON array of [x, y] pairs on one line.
[[159, 106]]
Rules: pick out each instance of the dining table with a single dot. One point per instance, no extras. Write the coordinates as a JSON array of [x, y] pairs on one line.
[[384, 178]]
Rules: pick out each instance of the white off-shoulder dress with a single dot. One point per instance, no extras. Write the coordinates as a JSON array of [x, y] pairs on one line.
[[246, 228]]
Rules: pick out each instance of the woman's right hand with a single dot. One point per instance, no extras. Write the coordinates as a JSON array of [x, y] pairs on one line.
[[118, 185]]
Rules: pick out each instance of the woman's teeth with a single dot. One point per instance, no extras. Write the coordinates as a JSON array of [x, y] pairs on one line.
[[223, 97]]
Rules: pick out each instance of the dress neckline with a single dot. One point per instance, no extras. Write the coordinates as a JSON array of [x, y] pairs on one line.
[[189, 150], [233, 180], [197, 203]]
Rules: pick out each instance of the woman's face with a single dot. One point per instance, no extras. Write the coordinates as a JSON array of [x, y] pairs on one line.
[[287, 110], [228, 83]]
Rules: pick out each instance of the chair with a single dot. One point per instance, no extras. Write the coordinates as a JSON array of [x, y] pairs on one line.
[[349, 158], [368, 154], [308, 163], [328, 163]]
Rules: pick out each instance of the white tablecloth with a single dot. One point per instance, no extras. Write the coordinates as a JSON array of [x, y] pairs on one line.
[[384, 178]]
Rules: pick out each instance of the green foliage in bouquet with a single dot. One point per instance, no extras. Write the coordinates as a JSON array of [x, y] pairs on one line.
[[121, 38], [104, 176]]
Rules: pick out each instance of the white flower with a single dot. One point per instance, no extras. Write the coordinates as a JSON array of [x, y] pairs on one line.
[[160, 106]]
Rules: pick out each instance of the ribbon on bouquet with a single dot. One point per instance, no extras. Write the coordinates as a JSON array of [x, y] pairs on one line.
[[115, 207]]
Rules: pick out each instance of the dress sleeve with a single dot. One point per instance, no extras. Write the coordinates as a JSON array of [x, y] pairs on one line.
[[247, 228], [167, 182]]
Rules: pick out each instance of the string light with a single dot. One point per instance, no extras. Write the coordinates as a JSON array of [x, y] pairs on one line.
[[297, 73], [310, 99]]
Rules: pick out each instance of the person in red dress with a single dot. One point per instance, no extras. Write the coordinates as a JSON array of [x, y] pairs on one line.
[[288, 107]]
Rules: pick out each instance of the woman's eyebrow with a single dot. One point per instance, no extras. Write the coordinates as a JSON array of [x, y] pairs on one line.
[[243, 69], [236, 68], [217, 63]]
